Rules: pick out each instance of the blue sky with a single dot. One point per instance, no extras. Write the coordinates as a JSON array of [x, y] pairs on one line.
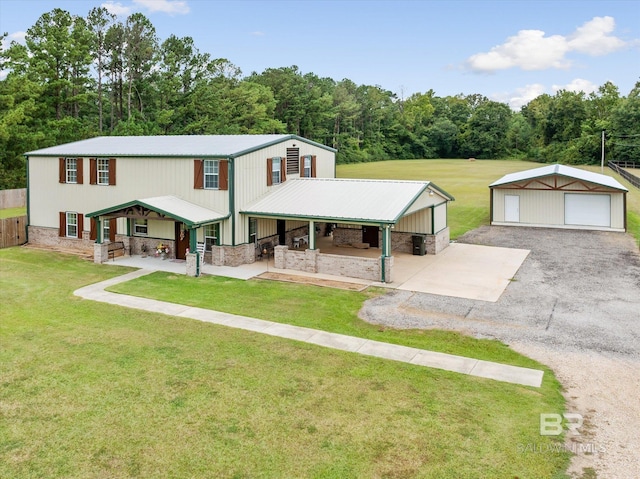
[[509, 51]]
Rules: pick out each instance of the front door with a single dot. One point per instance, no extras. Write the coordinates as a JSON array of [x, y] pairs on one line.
[[182, 240], [370, 235], [282, 232], [512, 208]]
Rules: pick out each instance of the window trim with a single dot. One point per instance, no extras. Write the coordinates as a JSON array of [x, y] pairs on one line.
[[216, 238], [215, 175], [68, 216], [104, 172], [69, 170], [145, 224], [276, 160], [307, 158]]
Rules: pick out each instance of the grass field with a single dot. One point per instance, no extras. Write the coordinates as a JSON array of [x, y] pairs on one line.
[[468, 182], [90, 390], [12, 212]]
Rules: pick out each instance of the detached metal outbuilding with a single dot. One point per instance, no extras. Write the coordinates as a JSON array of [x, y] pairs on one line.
[[559, 196]]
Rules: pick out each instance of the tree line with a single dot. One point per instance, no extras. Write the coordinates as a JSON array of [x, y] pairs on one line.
[[79, 77]]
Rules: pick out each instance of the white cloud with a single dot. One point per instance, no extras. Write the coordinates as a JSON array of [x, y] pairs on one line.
[[533, 50], [529, 50], [116, 9], [257, 34], [593, 37], [13, 37], [577, 85], [171, 7], [516, 100]]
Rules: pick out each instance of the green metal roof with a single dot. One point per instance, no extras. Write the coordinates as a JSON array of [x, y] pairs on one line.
[[189, 213]]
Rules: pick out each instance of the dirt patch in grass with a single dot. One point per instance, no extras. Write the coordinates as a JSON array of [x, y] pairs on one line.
[[292, 278]]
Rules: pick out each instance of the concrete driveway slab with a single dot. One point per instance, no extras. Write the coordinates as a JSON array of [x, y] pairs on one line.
[[468, 271]]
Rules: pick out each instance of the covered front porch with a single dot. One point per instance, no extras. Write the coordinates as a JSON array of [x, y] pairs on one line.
[[164, 226]]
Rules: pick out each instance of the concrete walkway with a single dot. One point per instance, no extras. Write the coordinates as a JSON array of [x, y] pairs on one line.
[[448, 362]]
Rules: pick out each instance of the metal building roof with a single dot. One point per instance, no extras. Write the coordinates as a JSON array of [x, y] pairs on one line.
[[169, 146], [349, 200], [561, 170], [189, 213]]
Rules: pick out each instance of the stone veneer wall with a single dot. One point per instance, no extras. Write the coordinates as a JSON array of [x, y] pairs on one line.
[[402, 242], [42, 236], [438, 242], [347, 236], [312, 261], [233, 255]]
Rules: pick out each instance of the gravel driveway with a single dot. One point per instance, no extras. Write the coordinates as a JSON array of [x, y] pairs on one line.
[[574, 305]]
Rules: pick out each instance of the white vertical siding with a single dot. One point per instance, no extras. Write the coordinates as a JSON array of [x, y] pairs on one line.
[[251, 176], [546, 207], [440, 218]]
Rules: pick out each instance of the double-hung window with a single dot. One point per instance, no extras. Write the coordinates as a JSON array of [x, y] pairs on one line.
[[72, 225], [211, 174], [276, 170], [71, 167], [306, 173], [140, 227], [253, 230], [211, 236], [103, 171]]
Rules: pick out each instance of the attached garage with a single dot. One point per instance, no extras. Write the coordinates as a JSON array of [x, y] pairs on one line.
[[558, 196]]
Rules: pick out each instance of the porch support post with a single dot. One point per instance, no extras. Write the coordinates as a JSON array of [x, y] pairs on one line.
[[386, 246], [312, 235], [99, 229], [193, 248]]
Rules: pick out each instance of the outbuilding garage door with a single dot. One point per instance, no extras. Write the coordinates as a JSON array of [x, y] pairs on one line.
[[587, 210]]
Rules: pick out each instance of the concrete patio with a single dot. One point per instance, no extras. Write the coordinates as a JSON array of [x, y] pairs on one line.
[[461, 270]]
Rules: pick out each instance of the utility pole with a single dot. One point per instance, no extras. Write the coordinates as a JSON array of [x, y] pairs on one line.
[[602, 160]]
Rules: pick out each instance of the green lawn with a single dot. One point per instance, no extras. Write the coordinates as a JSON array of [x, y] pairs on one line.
[[468, 182], [90, 390], [12, 212]]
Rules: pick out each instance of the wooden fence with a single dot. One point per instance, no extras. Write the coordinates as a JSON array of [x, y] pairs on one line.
[[619, 167], [13, 198], [13, 231]]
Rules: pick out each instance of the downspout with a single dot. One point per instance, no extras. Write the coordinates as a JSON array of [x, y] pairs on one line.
[[490, 205], [433, 219], [232, 203], [28, 202]]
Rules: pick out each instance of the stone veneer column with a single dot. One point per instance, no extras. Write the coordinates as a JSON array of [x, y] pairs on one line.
[[100, 252], [279, 253], [192, 265], [311, 260]]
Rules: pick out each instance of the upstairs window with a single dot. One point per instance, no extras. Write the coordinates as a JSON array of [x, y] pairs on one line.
[[308, 166], [211, 174], [102, 171], [276, 171], [70, 170]]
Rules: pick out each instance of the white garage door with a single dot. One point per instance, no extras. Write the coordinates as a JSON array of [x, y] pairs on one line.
[[587, 210]]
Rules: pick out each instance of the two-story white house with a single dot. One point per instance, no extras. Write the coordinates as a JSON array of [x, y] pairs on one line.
[[231, 195]]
